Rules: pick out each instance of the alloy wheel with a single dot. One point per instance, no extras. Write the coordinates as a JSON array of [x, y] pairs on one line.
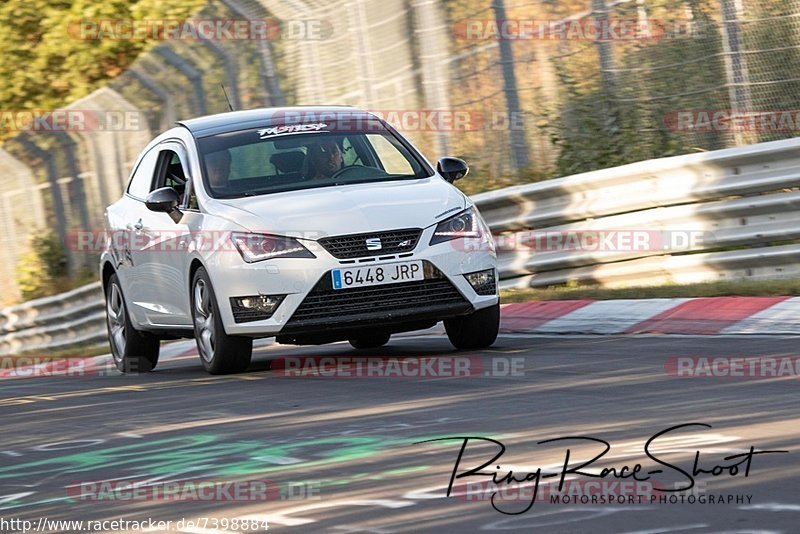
[[204, 320], [115, 312]]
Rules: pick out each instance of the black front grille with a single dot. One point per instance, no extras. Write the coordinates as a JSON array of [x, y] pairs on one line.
[[355, 245], [329, 308], [242, 315]]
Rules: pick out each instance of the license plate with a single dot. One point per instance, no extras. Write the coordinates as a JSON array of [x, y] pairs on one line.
[[376, 275]]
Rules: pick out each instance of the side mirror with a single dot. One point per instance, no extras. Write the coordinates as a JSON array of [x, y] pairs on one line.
[[452, 169], [165, 199]]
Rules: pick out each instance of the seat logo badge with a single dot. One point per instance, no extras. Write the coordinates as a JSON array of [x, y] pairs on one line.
[[374, 243]]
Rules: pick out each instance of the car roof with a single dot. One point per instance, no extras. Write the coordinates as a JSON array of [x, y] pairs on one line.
[[253, 118]]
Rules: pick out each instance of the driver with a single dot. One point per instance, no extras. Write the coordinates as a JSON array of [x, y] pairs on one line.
[[218, 165], [326, 158]]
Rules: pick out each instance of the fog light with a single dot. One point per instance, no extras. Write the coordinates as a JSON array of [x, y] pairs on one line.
[[483, 282], [255, 307]]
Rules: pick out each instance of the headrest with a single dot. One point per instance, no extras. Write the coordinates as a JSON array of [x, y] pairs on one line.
[[287, 162]]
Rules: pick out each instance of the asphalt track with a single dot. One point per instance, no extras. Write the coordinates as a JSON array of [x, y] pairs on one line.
[[343, 451]]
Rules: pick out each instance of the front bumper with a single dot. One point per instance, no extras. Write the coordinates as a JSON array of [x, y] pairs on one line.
[[312, 306], [325, 308]]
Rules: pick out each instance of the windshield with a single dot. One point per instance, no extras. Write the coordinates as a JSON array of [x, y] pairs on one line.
[[303, 156]]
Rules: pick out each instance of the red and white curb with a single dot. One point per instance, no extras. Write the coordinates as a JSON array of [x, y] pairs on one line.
[[704, 316], [690, 316], [780, 318]]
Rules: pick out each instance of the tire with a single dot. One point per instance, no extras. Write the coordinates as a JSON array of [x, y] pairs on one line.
[[370, 340], [133, 351], [219, 353], [475, 331]]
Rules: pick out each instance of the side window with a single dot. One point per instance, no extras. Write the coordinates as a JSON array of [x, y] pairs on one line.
[[142, 177], [170, 172], [176, 177], [191, 203], [392, 159]]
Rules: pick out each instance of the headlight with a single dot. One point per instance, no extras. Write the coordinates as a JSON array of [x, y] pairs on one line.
[[464, 224], [259, 247]]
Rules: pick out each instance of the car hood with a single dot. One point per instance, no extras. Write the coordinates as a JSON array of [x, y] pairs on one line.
[[345, 209]]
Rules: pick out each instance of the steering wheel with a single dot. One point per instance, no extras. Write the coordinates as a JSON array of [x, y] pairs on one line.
[[358, 171], [176, 178]]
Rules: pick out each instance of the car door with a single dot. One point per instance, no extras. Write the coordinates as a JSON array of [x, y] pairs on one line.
[[123, 219], [160, 257]]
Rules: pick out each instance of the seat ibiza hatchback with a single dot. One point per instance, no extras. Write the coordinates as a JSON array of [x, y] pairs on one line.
[[312, 225]]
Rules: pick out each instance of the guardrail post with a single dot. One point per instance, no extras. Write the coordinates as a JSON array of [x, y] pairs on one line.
[[194, 76], [55, 188], [606, 56], [428, 23], [272, 90], [735, 65]]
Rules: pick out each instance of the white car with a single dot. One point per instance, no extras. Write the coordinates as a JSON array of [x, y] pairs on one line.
[[313, 225]]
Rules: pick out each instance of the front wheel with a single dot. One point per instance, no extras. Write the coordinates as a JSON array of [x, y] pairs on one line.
[[477, 330], [133, 351], [219, 352]]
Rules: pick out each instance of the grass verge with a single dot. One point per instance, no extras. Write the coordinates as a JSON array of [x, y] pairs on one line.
[[80, 351]]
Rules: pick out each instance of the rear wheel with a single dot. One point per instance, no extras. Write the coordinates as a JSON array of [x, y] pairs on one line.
[[133, 351], [219, 352], [370, 340], [475, 331]]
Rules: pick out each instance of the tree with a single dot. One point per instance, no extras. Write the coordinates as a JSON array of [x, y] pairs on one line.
[[45, 62]]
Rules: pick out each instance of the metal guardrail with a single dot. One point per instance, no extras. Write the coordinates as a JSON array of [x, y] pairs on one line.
[[744, 202], [746, 198], [749, 221], [69, 319]]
